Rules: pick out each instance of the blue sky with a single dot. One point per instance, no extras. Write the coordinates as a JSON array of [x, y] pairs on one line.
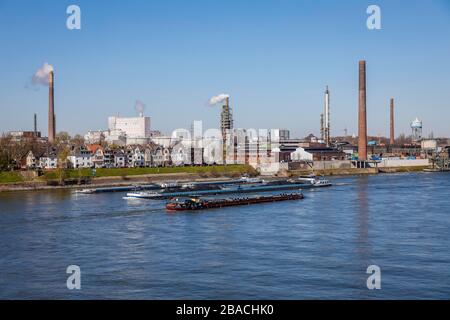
[[273, 57]]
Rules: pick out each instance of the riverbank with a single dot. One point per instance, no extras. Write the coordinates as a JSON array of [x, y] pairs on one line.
[[208, 176], [76, 179], [358, 171]]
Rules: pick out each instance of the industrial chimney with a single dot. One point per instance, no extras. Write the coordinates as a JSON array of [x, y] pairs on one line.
[[392, 134], [51, 109], [362, 127], [327, 117], [226, 118], [35, 125], [322, 128]]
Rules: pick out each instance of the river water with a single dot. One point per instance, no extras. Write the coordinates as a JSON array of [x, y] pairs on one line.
[[316, 248]]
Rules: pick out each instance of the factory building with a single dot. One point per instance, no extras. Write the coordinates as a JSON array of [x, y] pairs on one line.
[[137, 127]]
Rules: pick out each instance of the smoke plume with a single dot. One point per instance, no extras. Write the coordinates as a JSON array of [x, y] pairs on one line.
[[139, 106], [41, 75], [218, 99]]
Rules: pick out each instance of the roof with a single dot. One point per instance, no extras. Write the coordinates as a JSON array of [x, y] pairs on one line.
[[94, 147]]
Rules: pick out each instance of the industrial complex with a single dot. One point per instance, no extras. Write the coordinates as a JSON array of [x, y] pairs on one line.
[[131, 142]]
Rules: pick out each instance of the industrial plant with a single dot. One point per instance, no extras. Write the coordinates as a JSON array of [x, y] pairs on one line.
[[131, 142]]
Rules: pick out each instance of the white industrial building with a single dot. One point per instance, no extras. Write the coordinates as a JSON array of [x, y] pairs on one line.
[[93, 137], [137, 127]]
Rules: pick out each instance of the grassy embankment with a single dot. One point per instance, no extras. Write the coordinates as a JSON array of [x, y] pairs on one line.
[[10, 177], [204, 171]]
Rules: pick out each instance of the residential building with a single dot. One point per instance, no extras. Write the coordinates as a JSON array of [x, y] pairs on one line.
[[48, 160], [120, 159], [98, 155], [80, 157], [162, 156]]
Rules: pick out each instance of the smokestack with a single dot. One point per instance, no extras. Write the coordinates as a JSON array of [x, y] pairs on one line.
[[362, 128], [322, 128], [35, 125], [51, 108], [392, 141], [327, 117], [226, 124]]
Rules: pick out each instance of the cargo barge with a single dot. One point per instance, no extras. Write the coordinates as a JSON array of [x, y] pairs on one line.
[[174, 186], [228, 189], [192, 204]]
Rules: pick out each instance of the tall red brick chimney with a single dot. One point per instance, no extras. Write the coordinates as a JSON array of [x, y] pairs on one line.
[[392, 135], [51, 109], [362, 127]]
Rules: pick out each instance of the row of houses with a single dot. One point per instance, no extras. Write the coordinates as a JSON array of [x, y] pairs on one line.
[[96, 156]]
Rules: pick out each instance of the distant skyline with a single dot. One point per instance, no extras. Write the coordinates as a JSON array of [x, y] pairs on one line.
[[274, 58]]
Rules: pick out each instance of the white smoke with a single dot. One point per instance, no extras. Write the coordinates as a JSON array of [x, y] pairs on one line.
[[218, 99], [41, 75], [139, 106]]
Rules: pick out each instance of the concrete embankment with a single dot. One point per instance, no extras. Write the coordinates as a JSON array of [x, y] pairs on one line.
[[334, 172], [346, 167]]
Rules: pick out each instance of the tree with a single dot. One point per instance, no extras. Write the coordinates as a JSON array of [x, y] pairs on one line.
[[77, 141], [62, 138]]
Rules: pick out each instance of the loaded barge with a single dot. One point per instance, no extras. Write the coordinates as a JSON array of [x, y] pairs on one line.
[[199, 204], [222, 190], [174, 186], [279, 185]]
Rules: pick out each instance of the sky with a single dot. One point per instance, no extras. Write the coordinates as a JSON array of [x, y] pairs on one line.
[[274, 58]]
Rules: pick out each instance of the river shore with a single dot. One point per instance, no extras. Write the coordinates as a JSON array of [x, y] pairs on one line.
[[116, 181]]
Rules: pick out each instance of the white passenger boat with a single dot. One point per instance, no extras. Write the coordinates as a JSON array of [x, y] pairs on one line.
[[314, 180], [143, 195], [246, 179]]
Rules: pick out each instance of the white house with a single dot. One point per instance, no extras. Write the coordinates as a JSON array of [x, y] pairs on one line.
[[30, 160], [137, 158], [162, 156], [120, 159], [98, 155], [80, 158], [48, 161], [148, 157], [181, 155]]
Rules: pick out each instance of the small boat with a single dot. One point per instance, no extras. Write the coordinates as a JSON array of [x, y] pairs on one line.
[[85, 191], [246, 179], [190, 204], [314, 180], [143, 195], [168, 185]]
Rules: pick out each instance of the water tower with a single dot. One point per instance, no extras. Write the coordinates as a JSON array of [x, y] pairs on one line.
[[416, 127]]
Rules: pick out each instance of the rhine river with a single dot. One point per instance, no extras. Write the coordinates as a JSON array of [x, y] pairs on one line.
[[316, 248]]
